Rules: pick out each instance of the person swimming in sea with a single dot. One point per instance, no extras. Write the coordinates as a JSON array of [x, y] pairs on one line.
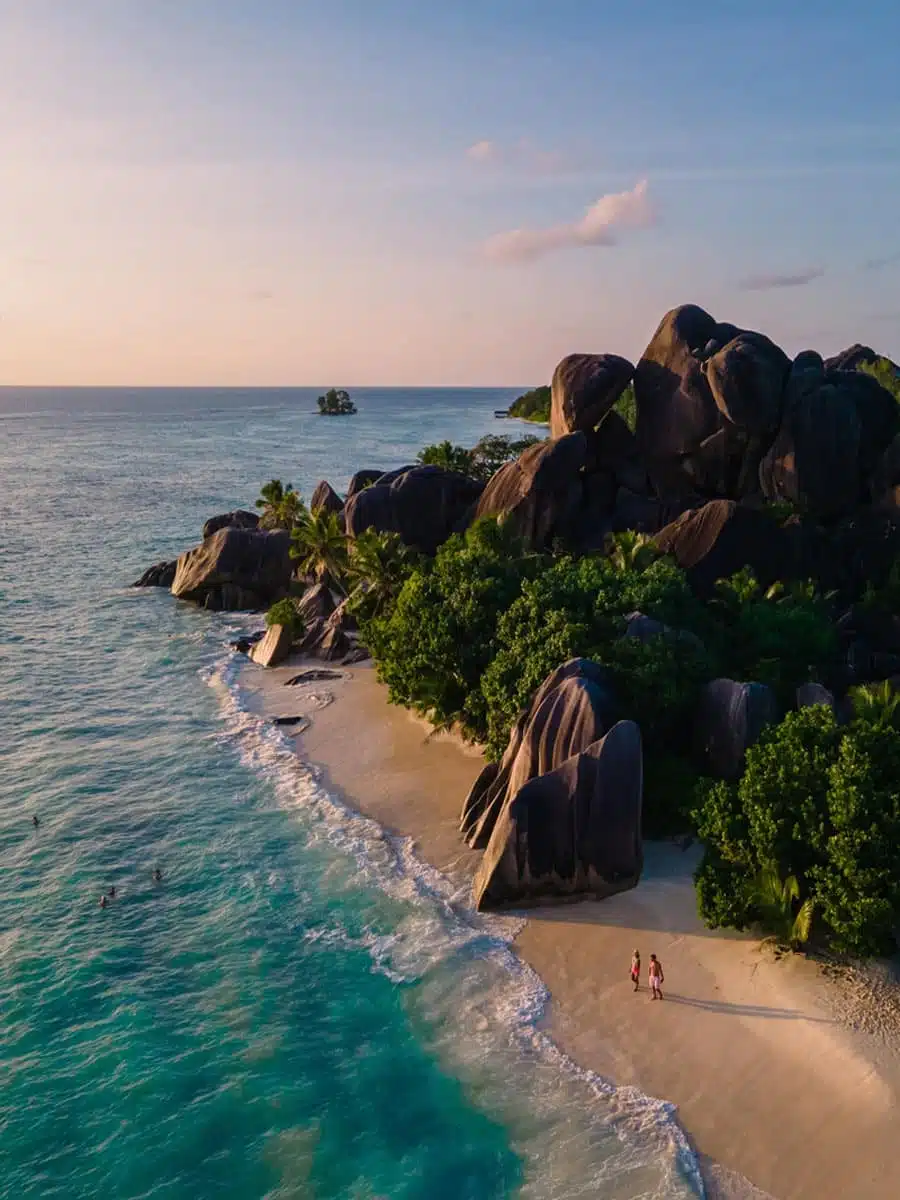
[[157, 875], [112, 892], [636, 969], [35, 822], [103, 902]]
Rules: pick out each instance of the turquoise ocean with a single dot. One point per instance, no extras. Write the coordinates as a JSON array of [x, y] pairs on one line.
[[301, 1008]]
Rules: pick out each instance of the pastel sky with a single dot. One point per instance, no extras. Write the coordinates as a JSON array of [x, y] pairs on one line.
[[421, 192]]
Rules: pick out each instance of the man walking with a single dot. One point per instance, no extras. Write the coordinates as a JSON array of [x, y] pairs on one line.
[[656, 978]]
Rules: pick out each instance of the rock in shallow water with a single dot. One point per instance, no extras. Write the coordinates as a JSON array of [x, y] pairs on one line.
[[235, 569], [274, 648], [161, 574]]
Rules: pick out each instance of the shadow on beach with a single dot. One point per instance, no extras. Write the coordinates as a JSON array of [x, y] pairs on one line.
[[747, 1010]]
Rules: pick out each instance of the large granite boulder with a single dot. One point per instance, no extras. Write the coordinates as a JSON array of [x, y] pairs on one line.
[[423, 504], [747, 378], [327, 637], [878, 413], [809, 695], [676, 410], [575, 830], [613, 448], [852, 358], [730, 718], [235, 569], [584, 388], [539, 493], [836, 429], [646, 514], [241, 518], [814, 461], [161, 574], [572, 708], [315, 604], [362, 479], [722, 537], [274, 647], [696, 379], [325, 499]]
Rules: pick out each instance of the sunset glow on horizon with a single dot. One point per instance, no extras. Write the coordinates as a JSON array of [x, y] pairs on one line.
[[285, 193]]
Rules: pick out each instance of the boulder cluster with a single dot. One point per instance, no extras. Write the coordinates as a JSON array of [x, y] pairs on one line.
[[737, 456]]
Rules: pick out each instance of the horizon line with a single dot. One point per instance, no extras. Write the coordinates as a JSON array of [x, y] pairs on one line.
[[263, 387]]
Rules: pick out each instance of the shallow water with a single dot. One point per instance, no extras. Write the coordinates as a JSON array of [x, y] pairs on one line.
[[300, 1008]]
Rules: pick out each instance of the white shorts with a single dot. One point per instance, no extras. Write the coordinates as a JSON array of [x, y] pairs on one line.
[[655, 984]]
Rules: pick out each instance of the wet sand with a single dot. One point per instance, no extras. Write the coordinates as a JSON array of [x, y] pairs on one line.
[[782, 1076]]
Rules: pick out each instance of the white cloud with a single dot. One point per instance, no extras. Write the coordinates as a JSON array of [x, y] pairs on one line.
[[765, 283], [483, 152], [597, 227], [522, 155]]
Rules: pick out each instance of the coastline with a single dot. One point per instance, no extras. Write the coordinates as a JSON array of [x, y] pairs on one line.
[[771, 1081]]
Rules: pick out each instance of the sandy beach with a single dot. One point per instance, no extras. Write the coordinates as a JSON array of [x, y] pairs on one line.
[[784, 1076]]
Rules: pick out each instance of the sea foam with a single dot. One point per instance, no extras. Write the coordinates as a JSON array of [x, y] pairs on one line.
[[585, 1135]]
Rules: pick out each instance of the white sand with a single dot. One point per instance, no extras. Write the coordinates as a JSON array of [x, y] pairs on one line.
[[772, 1081]]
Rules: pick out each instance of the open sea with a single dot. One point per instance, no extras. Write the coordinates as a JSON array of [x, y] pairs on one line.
[[300, 1008]]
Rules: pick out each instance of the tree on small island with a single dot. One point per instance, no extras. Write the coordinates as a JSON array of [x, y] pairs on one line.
[[336, 403]]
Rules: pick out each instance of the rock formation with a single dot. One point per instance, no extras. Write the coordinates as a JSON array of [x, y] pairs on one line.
[[235, 569], [423, 504], [573, 831], [362, 479], [540, 493], [572, 708], [241, 518], [722, 537], [273, 648], [325, 498], [729, 720], [584, 389], [161, 574], [316, 604]]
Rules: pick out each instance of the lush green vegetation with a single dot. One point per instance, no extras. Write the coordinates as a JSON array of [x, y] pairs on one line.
[[378, 566], [484, 459], [806, 844], [533, 405], [319, 547], [336, 403], [433, 645], [284, 612], [885, 372], [626, 407], [282, 507], [820, 804], [578, 607], [782, 637]]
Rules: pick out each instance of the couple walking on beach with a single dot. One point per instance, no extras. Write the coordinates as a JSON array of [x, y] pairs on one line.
[[654, 974]]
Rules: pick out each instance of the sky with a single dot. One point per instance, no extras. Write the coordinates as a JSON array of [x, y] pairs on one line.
[[412, 192]]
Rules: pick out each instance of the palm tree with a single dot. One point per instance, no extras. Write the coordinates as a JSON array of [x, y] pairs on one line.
[[379, 566], [282, 506], [630, 551], [320, 546], [775, 899], [877, 704]]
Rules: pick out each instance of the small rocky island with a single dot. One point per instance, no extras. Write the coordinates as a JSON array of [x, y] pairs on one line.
[[336, 403], [677, 616]]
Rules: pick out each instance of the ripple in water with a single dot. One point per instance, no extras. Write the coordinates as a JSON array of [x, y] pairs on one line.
[[300, 1008]]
